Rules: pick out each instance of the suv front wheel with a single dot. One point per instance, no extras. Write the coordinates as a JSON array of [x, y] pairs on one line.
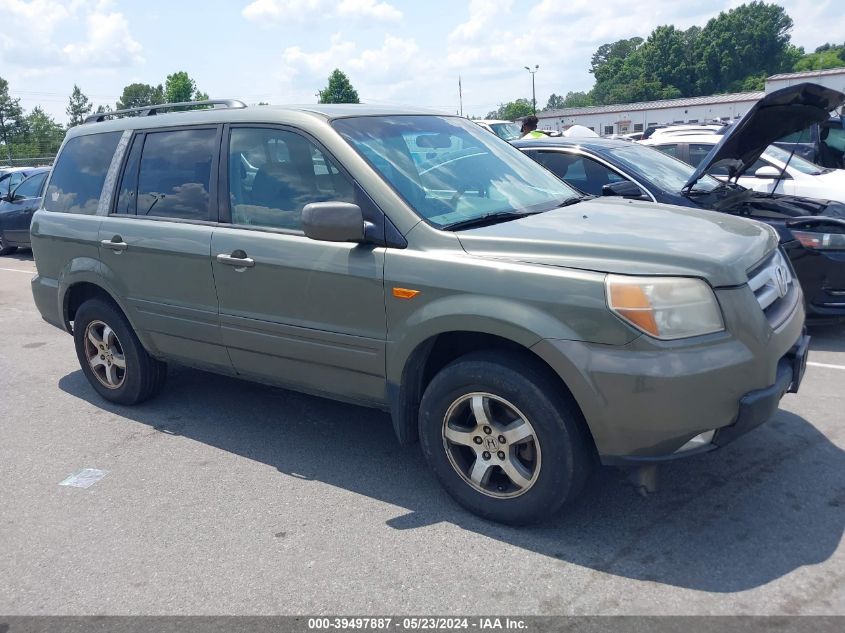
[[111, 356], [502, 439]]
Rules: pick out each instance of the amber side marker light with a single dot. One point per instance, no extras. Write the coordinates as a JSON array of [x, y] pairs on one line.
[[405, 293]]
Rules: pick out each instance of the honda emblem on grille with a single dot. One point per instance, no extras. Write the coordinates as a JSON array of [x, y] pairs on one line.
[[781, 281]]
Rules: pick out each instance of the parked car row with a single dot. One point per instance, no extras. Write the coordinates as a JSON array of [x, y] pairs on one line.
[[738, 172]]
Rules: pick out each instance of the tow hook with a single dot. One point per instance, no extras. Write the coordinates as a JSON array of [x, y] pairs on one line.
[[645, 479]]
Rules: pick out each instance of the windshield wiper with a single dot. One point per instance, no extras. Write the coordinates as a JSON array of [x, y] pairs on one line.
[[488, 218], [574, 200]]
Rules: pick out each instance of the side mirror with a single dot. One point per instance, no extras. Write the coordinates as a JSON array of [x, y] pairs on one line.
[[333, 222], [624, 188], [767, 171], [6, 197]]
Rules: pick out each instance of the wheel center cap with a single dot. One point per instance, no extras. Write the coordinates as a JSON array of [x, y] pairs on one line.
[[491, 444]]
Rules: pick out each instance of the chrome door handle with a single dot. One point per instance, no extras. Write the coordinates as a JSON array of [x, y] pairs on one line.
[[237, 262], [115, 246]]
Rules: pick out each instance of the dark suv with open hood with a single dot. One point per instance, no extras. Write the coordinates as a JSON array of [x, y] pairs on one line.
[[812, 232]]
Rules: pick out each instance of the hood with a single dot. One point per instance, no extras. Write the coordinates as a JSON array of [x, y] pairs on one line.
[[779, 113], [630, 237]]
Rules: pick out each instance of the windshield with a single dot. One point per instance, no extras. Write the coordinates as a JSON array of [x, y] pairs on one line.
[[796, 162], [450, 170], [506, 131], [651, 165]]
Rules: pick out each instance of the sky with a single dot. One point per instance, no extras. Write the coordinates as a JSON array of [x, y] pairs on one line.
[[394, 51]]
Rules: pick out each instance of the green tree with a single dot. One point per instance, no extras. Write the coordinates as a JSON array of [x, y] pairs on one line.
[[512, 110], [138, 95], [751, 39], [555, 102], [821, 60], [179, 88], [667, 57], [42, 136], [577, 100], [11, 117], [620, 49], [571, 100], [339, 89], [78, 107]]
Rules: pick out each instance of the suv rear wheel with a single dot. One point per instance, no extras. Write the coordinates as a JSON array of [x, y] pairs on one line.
[[111, 356], [502, 439]]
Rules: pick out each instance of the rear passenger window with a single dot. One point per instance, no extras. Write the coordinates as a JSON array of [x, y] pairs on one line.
[[273, 174], [128, 192], [174, 179], [80, 171], [671, 150], [697, 152]]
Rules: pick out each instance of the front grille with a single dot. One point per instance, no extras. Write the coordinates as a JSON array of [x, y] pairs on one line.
[[774, 287]]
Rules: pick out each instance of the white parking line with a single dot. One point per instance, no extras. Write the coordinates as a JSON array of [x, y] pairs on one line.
[[825, 365], [18, 270]]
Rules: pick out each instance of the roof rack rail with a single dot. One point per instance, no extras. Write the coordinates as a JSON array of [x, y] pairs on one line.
[[152, 110]]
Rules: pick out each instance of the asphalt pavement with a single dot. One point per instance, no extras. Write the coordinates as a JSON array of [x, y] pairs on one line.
[[226, 497]]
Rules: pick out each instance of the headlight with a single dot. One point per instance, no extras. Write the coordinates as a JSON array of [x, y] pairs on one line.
[[665, 307], [821, 241]]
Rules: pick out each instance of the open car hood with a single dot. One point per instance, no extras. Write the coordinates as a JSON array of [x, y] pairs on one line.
[[779, 113]]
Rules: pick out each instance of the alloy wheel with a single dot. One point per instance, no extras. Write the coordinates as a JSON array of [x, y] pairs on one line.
[[491, 445], [105, 355]]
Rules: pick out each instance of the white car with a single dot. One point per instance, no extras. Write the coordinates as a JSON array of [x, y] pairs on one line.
[[801, 178], [682, 130], [507, 130]]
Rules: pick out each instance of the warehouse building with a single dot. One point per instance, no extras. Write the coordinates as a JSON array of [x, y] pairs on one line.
[[625, 118]]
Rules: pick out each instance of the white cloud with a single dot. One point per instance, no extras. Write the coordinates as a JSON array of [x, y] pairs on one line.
[[397, 67], [278, 10], [38, 36], [381, 11], [108, 43], [309, 10]]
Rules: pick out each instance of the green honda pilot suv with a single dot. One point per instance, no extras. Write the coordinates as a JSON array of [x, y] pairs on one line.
[[415, 263]]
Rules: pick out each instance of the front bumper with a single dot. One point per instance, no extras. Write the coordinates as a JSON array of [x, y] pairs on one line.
[[757, 407], [646, 400]]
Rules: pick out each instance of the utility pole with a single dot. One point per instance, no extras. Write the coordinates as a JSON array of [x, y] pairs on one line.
[[460, 96], [533, 92]]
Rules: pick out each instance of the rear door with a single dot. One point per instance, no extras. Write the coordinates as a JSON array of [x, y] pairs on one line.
[[26, 198], [156, 241], [295, 311]]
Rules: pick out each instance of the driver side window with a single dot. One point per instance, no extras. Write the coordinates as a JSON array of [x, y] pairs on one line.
[[579, 171], [274, 173]]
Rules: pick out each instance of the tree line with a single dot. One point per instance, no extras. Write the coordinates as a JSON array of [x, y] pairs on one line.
[[734, 52], [26, 136]]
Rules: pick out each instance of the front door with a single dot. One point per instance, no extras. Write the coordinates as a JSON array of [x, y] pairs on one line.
[[156, 242], [295, 311]]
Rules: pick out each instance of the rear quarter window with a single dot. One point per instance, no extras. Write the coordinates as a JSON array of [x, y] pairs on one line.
[[80, 172]]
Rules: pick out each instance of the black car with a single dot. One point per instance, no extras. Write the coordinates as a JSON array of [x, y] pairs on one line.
[[11, 177], [16, 209], [811, 231]]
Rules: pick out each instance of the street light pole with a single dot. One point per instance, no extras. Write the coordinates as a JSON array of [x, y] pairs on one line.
[[533, 92]]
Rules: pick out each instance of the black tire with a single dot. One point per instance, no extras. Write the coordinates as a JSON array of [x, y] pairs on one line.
[[567, 451], [4, 248], [143, 376]]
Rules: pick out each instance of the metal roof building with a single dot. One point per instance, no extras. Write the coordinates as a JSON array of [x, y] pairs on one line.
[[624, 118]]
